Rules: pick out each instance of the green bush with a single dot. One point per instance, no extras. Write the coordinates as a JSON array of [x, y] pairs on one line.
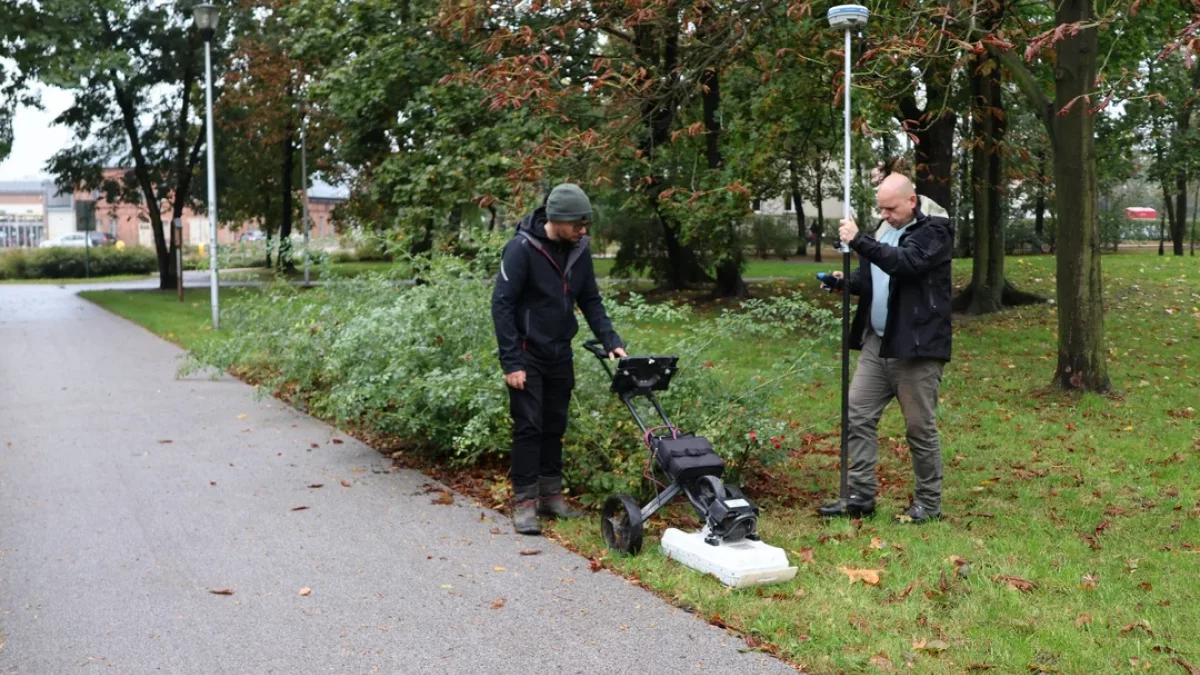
[[774, 235], [75, 263], [419, 364]]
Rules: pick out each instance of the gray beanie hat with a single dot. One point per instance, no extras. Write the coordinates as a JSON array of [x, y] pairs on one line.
[[567, 204]]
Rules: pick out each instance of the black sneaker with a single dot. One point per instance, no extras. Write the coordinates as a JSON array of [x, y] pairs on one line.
[[916, 515], [854, 506]]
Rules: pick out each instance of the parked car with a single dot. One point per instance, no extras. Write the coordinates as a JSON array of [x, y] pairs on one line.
[[256, 235], [78, 240]]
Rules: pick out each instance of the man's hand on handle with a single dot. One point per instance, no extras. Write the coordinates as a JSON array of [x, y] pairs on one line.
[[847, 230], [618, 352]]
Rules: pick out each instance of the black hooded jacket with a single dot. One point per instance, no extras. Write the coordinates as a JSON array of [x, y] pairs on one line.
[[533, 304], [918, 320]]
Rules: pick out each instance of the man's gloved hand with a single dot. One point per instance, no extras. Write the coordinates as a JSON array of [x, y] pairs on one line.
[[830, 281]]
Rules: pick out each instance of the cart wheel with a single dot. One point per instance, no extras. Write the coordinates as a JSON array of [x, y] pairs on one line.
[[621, 524]]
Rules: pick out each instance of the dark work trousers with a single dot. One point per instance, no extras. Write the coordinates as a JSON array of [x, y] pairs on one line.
[[539, 414], [915, 383]]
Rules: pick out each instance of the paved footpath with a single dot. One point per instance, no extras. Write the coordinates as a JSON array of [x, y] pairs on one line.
[[127, 495]]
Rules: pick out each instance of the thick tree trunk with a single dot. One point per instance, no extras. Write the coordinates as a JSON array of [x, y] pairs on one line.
[[659, 48], [729, 270], [934, 143], [1081, 362], [987, 282]]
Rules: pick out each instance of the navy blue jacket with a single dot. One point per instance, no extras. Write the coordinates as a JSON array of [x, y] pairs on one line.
[[533, 303]]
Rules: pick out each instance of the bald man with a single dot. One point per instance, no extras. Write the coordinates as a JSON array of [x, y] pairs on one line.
[[902, 330]]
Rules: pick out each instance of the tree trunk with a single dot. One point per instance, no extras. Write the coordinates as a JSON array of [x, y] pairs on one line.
[[987, 282], [729, 269], [934, 141], [1195, 203], [659, 46], [1039, 208], [1179, 227], [1081, 362], [794, 186], [284, 258], [1162, 220], [820, 242]]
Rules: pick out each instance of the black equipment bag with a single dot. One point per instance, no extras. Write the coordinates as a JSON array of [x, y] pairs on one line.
[[686, 458]]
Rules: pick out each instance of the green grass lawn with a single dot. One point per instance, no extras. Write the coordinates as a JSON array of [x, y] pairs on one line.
[[1079, 517], [184, 323], [72, 281]]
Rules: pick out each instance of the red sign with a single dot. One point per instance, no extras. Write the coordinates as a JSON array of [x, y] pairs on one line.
[[1141, 213]]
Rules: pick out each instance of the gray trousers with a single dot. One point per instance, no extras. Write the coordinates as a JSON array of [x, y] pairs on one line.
[[915, 383]]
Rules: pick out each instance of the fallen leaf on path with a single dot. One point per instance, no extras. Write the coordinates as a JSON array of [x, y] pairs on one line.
[[345, 483], [243, 416], [1015, 583], [595, 564], [443, 497], [317, 485], [338, 441], [498, 569], [497, 603], [495, 530], [531, 551], [315, 445], [212, 483], [164, 442], [299, 508], [222, 591], [869, 577], [305, 591]]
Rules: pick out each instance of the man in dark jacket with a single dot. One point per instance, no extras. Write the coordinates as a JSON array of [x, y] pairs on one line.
[[546, 270], [902, 329]]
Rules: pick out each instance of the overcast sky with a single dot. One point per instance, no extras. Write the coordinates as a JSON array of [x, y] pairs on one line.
[[35, 138]]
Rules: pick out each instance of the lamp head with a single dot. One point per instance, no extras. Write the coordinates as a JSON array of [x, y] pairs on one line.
[[206, 16], [847, 17]]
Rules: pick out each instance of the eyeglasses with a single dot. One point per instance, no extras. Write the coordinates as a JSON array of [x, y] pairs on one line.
[[578, 225]]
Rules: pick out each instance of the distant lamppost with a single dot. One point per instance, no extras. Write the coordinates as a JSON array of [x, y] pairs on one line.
[[206, 16]]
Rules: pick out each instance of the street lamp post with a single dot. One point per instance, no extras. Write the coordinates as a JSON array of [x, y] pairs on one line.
[[206, 16], [304, 184]]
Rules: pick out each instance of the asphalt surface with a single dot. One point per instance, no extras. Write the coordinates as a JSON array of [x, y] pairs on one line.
[[127, 496]]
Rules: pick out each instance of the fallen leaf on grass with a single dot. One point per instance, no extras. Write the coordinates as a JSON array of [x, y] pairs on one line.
[[1015, 583], [980, 666], [531, 551], [345, 483], [1138, 624], [299, 508], [1192, 670], [221, 591], [305, 591], [878, 543], [805, 555], [1088, 582], [595, 564], [869, 577], [317, 485], [882, 662], [443, 497], [932, 646], [497, 603], [1083, 620]]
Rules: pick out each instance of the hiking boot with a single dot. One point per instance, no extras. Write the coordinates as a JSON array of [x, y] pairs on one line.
[[550, 500], [524, 512], [854, 506], [916, 515]]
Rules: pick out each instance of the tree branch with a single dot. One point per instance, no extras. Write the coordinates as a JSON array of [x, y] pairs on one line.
[[1028, 85]]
